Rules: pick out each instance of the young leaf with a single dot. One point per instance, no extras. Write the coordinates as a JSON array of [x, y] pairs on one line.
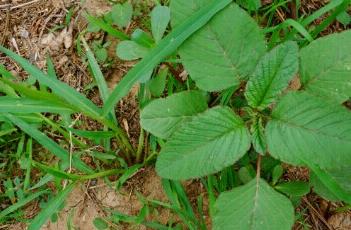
[[272, 75], [51, 208], [122, 14], [306, 129], [293, 188], [224, 51], [165, 47], [258, 137], [162, 116], [207, 144], [130, 50], [326, 67], [253, 206], [160, 17]]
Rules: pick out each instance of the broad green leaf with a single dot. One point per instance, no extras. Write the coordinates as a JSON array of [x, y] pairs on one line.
[[207, 144], [130, 50], [61, 89], [162, 116], [165, 48], [25, 105], [307, 129], [160, 17], [224, 51], [253, 206], [51, 208], [326, 67], [258, 137], [293, 188], [272, 75], [49, 144], [122, 14]]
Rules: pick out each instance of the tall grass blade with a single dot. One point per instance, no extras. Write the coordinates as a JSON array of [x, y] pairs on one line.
[[167, 46], [24, 106]]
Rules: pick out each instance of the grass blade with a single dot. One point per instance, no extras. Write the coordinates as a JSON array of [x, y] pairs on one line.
[[25, 106], [52, 207], [97, 74], [21, 203], [48, 143], [167, 46], [61, 89]]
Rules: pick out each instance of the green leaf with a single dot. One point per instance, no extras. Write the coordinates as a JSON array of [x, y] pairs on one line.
[[253, 206], [307, 129], [165, 47], [61, 89], [207, 144], [122, 14], [252, 5], [25, 106], [344, 18], [130, 50], [157, 84], [21, 203], [340, 187], [326, 67], [52, 207], [258, 137], [293, 188], [277, 173], [160, 17], [48, 143], [224, 51], [142, 38], [272, 75], [100, 224], [162, 116], [105, 26]]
